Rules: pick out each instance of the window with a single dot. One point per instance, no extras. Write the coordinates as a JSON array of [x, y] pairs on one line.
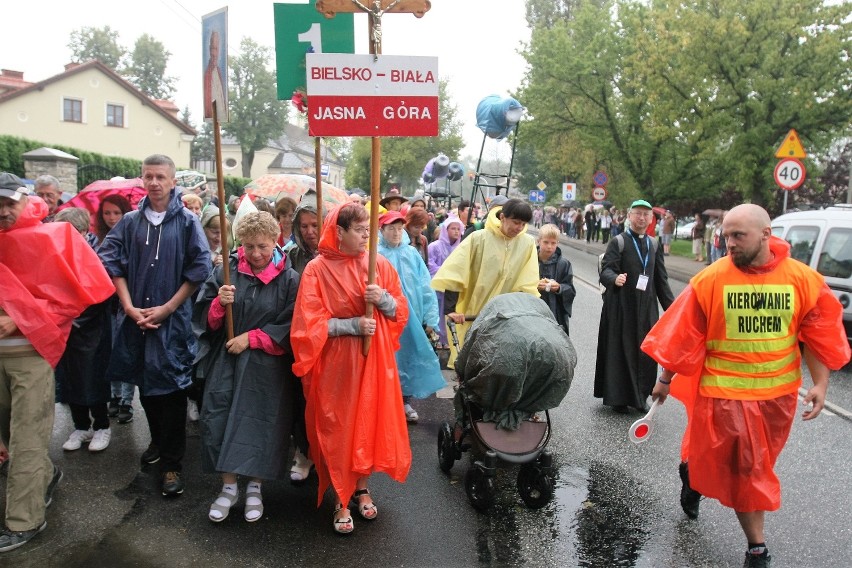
[[802, 242], [835, 260], [230, 164], [72, 110], [115, 115]]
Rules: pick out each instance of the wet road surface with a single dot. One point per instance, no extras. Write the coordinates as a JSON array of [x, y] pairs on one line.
[[615, 503]]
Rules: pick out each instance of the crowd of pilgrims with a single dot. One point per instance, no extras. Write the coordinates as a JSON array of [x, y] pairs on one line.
[[294, 369]]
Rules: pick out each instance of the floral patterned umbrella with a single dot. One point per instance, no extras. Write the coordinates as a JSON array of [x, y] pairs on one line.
[[190, 179], [275, 186]]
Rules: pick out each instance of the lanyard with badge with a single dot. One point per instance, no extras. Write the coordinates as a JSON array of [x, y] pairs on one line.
[[642, 282]]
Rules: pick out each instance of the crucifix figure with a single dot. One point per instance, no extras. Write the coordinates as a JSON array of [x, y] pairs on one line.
[[376, 14]]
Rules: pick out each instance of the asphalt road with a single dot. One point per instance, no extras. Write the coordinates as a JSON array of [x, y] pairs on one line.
[[616, 503]]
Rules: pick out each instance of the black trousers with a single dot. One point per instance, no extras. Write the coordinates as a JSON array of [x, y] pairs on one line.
[[166, 416], [82, 421]]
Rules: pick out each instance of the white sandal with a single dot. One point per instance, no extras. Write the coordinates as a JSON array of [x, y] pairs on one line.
[[301, 468], [341, 522], [368, 511], [253, 508], [217, 509]]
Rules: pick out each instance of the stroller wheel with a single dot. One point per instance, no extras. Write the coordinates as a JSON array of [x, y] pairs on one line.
[[535, 486], [480, 488], [446, 448]]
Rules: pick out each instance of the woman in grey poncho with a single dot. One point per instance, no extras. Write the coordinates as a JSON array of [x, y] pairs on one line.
[[247, 414]]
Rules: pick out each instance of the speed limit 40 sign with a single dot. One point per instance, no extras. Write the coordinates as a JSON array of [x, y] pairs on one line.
[[789, 174]]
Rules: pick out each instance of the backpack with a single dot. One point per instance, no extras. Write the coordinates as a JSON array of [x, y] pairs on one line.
[[619, 238]]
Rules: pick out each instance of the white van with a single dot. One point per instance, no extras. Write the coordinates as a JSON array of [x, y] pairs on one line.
[[822, 239]]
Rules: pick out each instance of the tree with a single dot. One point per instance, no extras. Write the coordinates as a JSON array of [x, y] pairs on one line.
[[203, 145], [690, 99], [256, 114], [730, 82], [403, 158], [588, 106], [147, 68], [186, 117], [89, 43]]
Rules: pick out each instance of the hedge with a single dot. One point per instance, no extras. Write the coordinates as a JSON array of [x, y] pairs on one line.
[[13, 148]]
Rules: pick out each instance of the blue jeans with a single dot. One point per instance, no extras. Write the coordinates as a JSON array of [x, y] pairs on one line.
[[123, 392]]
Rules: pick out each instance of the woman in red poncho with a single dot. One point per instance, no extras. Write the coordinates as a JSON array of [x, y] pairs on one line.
[[354, 416]]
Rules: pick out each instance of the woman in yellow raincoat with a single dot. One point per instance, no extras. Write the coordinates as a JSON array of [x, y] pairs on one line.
[[499, 259]]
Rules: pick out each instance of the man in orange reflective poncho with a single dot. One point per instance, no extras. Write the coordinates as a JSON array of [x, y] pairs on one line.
[[354, 415], [48, 275], [733, 338]]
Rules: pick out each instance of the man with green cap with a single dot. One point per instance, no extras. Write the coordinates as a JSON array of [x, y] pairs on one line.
[[634, 273]]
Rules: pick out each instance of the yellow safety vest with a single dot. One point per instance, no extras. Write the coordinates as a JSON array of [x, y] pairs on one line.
[[752, 328]]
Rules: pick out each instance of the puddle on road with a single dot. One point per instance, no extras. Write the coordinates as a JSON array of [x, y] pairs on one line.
[[598, 517]]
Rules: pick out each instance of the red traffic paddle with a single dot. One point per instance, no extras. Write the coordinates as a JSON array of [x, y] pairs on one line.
[[642, 428]]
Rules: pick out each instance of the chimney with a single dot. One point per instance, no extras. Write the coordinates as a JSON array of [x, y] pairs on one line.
[[72, 65], [9, 74]]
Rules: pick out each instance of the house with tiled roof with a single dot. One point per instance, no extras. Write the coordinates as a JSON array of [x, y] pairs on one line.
[[291, 153], [90, 107]]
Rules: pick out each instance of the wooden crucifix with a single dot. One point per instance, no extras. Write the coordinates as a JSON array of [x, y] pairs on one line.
[[375, 11]]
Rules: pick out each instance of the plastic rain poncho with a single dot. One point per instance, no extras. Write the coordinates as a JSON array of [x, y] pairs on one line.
[[50, 275], [438, 253], [484, 265], [419, 368], [354, 416]]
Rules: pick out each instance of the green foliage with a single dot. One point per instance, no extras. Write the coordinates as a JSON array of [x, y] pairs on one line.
[[12, 149], [203, 145], [235, 185], [147, 68], [186, 117], [403, 158], [97, 43], [256, 114], [685, 101]]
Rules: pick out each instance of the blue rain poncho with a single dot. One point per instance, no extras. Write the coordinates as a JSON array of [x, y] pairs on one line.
[[419, 368]]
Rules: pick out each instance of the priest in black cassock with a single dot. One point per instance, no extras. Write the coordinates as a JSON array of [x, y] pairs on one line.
[[634, 273]]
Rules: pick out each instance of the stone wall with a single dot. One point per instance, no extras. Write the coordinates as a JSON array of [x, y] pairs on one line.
[[50, 161]]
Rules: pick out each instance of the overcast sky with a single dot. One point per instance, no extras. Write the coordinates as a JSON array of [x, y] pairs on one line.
[[476, 42]]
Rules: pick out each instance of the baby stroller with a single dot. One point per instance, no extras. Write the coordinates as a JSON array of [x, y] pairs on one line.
[[515, 364]]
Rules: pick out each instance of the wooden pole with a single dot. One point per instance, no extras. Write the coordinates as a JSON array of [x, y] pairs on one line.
[[374, 9], [318, 174], [223, 221], [375, 197]]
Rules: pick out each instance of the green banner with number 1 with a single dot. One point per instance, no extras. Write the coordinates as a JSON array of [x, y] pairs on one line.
[[298, 28]]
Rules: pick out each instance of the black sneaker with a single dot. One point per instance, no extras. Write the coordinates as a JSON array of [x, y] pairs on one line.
[[10, 540], [125, 414], [112, 408], [689, 498], [57, 477], [172, 484], [757, 560], [151, 455]]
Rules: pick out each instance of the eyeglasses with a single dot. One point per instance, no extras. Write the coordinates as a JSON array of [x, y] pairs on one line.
[[363, 231]]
